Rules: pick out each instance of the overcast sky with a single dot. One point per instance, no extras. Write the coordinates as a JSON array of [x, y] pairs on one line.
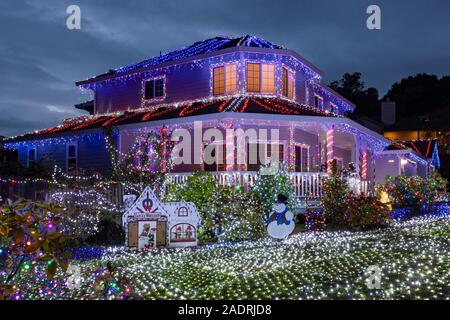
[[40, 59]]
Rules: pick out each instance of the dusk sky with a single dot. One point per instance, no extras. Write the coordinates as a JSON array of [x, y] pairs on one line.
[[40, 59]]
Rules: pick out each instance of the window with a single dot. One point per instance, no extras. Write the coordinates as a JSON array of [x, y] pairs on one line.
[[332, 107], [225, 79], [253, 77], [268, 78], [272, 148], [318, 102], [258, 154], [31, 157], [301, 159], [230, 78], [72, 157], [288, 83], [219, 80], [154, 88], [182, 232], [183, 212]]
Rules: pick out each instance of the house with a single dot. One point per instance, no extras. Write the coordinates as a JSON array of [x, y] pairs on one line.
[[224, 83]]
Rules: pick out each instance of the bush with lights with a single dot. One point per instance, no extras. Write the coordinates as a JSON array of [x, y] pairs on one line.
[[32, 242], [202, 190], [240, 215], [271, 181], [345, 210]]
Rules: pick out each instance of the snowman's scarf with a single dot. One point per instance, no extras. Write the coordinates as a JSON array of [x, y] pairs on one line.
[[280, 216]]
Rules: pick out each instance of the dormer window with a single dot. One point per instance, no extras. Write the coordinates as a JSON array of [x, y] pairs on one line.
[[318, 102], [288, 83], [260, 77], [225, 79], [154, 89]]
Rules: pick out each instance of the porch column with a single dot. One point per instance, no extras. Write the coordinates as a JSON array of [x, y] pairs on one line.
[[330, 146], [356, 155]]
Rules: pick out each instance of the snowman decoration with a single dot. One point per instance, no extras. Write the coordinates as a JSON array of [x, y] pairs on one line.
[[281, 221]]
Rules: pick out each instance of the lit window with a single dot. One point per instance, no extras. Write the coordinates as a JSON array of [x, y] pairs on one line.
[[154, 89], [288, 83], [268, 78], [72, 157], [230, 78], [253, 77], [219, 80], [31, 157]]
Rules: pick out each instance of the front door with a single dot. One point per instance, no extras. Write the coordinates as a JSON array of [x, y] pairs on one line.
[[161, 233], [133, 234]]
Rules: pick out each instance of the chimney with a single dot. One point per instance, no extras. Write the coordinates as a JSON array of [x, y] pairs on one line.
[[388, 112]]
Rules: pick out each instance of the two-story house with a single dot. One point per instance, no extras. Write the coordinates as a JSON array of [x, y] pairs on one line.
[[239, 83]]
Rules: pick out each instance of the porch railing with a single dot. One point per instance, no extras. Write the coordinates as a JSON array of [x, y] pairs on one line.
[[306, 184]]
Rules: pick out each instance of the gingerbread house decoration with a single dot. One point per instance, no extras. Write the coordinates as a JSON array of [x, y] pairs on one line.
[[150, 223]]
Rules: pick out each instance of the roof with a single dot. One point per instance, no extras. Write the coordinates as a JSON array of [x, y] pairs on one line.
[[240, 104], [424, 148], [197, 48]]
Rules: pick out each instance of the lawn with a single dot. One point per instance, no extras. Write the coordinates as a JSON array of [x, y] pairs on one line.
[[414, 258]]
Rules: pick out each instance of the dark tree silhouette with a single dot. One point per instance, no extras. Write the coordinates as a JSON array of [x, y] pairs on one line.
[[352, 87]]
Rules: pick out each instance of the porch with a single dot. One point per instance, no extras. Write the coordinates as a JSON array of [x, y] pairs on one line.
[[307, 185]]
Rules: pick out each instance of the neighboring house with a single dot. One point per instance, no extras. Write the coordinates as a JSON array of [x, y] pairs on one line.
[[244, 82]]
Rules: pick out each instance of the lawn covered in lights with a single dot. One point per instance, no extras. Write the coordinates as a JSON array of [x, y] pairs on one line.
[[414, 257]]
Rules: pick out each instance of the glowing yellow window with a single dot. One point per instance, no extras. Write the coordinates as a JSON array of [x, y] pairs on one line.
[[219, 80], [291, 85], [253, 77], [288, 83], [230, 78], [268, 78]]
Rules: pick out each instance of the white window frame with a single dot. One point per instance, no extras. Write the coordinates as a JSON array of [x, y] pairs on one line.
[[224, 66], [319, 97], [260, 92], [289, 72], [68, 145], [308, 160], [144, 81]]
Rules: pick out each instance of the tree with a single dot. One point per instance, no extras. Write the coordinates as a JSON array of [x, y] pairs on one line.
[[241, 215], [353, 88], [268, 186], [202, 190], [148, 162], [420, 94]]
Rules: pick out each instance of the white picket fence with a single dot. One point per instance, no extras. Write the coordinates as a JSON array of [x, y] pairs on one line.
[[306, 184]]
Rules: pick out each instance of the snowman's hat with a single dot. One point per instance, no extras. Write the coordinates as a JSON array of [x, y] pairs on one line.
[[281, 198]]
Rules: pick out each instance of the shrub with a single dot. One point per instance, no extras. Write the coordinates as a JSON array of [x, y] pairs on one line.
[[364, 213], [268, 186], [240, 216], [315, 220], [202, 190]]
